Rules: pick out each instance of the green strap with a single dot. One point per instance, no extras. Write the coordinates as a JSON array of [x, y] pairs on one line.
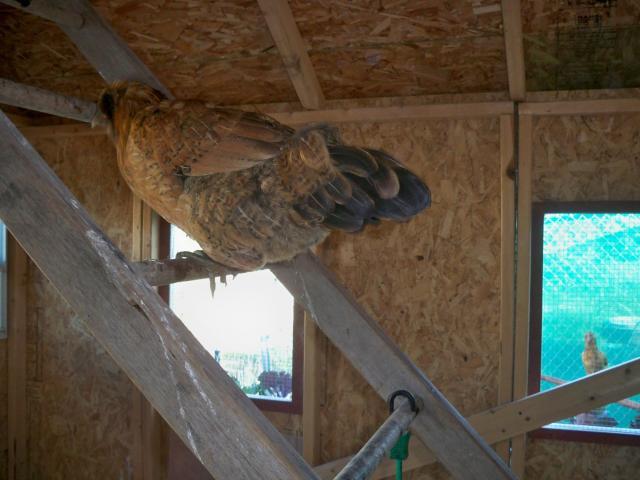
[[400, 452]]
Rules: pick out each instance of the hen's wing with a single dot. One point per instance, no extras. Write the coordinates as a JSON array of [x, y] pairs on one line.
[[195, 139], [369, 185]]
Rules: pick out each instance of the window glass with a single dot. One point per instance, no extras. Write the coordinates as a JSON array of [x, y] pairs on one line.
[[247, 326], [590, 307]]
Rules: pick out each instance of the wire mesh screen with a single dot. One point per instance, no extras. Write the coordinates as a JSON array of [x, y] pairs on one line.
[[246, 325], [591, 305]]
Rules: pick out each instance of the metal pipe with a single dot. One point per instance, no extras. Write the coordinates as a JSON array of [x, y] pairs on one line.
[[369, 457]]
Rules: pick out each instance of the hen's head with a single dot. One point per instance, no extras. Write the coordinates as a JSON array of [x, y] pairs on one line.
[[122, 100], [589, 339]]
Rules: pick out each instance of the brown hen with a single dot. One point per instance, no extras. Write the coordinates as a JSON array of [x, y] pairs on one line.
[[593, 359], [248, 189]]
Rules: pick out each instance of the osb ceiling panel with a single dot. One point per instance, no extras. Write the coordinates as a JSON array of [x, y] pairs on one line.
[[222, 51], [581, 44]]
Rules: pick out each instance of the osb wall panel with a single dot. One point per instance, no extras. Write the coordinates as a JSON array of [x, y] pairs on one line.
[[581, 43], [78, 401], [4, 433], [223, 52], [432, 283], [585, 158]]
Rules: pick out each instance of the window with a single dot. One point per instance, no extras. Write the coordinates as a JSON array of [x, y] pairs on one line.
[[250, 326], [585, 302], [3, 281]]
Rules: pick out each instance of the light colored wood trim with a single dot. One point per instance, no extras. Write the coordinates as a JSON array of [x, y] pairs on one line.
[[45, 9], [514, 48], [582, 107], [387, 369], [160, 355], [40, 100], [507, 264], [286, 36], [311, 392], [17, 276], [149, 432], [395, 113], [530, 413], [523, 281]]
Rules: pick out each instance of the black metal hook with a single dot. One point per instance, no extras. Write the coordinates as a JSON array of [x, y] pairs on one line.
[[406, 394]]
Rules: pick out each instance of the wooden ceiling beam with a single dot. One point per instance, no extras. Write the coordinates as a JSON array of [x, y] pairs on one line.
[[286, 36], [514, 48]]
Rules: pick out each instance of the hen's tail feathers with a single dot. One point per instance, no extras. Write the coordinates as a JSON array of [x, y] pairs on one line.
[[372, 186]]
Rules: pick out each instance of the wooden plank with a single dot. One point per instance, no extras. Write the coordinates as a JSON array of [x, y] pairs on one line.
[[387, 369], [149, 434], [500, 423], [582, 107], [523, 280], [507, 267], [312, 391], [395, 113], [286, 36], [46, 9], [624, 402], [514, 48], [194, 395], [40, 100], [17, 276], [104, 49]]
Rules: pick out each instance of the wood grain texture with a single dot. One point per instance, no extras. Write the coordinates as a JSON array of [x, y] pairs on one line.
[[387, 369], [17, 275], [41, 100], [584, 158], [292, 49], [514, 48], [140, 332]]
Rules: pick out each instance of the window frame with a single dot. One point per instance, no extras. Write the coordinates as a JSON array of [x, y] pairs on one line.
[[539, 209], [297, 361], [4, 281]]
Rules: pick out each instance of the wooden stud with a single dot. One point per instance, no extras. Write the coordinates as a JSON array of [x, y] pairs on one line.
[[514, 48], [507, 264], [47, 9], [17, 276], [523, 281], [515, 418], [160, 355], [312, 391], [286, 36], [148, 427]]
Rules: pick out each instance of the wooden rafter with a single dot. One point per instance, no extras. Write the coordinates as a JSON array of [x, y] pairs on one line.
[[514, 48], [286, 36], [159, 354], [41, 100]]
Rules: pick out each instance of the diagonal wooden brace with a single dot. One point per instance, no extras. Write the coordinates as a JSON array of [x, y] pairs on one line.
[[195, 396]]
